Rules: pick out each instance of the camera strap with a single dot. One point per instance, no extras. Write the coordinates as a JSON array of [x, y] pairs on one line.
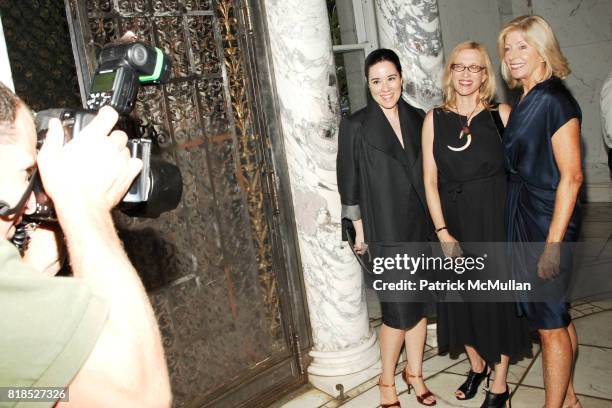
[[5, 208]]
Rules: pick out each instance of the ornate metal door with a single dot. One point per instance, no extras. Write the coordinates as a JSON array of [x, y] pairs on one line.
[[221, 270]]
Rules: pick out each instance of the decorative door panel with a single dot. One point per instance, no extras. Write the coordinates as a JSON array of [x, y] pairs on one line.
[[217, 267]]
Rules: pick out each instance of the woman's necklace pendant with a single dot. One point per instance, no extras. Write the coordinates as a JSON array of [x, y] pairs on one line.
[[465, 131]]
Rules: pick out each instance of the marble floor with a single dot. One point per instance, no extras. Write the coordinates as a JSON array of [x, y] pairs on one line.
[[593, 374]]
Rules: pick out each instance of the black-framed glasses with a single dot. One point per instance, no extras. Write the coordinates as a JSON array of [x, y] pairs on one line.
[[472, 68]]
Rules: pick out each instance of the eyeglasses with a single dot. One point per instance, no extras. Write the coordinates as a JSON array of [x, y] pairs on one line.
[[472, 68]]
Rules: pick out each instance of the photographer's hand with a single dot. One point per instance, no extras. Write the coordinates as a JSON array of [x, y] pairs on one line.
[[90, 173]]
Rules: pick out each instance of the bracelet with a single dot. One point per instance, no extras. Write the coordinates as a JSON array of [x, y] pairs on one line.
[[441, 228]]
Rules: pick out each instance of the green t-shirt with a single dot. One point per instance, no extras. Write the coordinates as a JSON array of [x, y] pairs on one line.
[[48, 326]]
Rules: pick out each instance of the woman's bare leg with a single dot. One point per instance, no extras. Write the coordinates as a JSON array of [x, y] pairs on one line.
[[415, 345], [390, 345], [501, 375], [570, 396], [477, 364], [557, 360]]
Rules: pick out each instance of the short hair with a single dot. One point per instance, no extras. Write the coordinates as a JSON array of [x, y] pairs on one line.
[[538, 34], [9, 105], [487, 90], [380, 55]]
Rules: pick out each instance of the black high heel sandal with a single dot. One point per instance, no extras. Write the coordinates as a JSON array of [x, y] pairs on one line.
[[497, 400], [472, 382]]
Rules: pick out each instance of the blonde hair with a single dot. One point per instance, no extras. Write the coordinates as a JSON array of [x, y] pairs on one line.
[[538, 34], [487, 89]]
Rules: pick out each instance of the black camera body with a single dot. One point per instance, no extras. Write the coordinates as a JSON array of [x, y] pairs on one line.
[[122, 69]]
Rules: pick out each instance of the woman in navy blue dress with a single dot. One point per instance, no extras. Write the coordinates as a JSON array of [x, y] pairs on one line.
[[542, 154]]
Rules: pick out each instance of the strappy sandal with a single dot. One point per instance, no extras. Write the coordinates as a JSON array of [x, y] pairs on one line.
[[392, 404], [420, 398]]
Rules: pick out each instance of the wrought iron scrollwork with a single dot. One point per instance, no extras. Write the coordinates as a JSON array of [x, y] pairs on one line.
[[209, 264], [252, 169]]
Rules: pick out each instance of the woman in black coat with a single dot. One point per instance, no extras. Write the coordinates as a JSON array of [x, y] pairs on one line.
[[380, 180]]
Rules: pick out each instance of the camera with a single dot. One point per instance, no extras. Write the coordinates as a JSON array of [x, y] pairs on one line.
[[121, 70]]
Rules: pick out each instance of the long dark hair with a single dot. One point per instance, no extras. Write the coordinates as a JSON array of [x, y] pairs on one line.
[[380, 55]]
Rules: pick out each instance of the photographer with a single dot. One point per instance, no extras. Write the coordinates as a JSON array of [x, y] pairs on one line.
[[96, 332]]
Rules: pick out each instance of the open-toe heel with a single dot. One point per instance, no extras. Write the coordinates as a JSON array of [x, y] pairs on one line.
[[392, 404], [420, 398], [472, 382]]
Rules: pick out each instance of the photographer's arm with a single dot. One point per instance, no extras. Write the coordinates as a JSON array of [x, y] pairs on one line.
[[86, 178], [127, 366]]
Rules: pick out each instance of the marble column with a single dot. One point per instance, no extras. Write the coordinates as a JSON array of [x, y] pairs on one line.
[[412, 29], [344, 343], [5, 68]]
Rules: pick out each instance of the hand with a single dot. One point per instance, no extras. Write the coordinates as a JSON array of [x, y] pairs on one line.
[[128, 37], [360, 246], [92, 172], [450, 246], [45, 252], [548, 264]]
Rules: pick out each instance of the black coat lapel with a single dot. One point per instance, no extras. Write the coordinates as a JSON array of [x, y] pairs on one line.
[[411, 133], [411, 121], [379, 134]]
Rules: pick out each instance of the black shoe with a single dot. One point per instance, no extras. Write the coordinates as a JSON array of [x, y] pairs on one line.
[[472, 382], [497, 400]]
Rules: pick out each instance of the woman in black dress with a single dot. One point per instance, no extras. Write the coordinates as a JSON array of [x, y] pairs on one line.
[[381, 190], [465, 183], [542, 150]]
